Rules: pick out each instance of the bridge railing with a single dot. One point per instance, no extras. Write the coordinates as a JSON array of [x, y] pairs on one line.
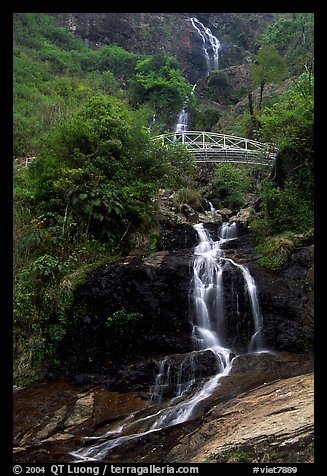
[[23, 161], [214, 142]]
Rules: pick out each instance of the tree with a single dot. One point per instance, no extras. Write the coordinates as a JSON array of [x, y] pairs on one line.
[[288, 198], [294, 39], [101, 170], [159, 83], [289, 121], [229, 186], [268, 67]]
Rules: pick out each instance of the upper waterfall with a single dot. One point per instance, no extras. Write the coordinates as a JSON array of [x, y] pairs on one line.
[[210, 43]]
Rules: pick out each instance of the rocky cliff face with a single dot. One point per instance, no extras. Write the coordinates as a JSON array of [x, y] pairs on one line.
[[171, 33], [262, 412], [157, 288], [144, 33]]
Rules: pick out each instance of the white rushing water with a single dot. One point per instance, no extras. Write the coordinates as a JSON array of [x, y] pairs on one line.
[[210, 45], [182, 121], [208, 335]]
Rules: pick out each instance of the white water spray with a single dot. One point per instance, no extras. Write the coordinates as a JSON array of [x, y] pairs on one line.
[[182, 121], [211, 46]]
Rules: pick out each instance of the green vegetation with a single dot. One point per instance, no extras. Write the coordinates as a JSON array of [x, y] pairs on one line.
[[120, 319], [293, 37], [288, 197], [266, 452], [55, 73], [97, 172], [268, 67], [159, 83], [190, 196], [229, 186]]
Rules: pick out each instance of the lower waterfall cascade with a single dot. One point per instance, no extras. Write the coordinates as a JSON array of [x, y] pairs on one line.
[[180, 384]]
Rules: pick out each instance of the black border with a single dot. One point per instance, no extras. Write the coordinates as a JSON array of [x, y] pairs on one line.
[[7, 183]]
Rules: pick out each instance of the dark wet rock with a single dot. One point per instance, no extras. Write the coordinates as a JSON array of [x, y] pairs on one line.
[[186, 370], [286, 300], [158, 289], [176, 237]]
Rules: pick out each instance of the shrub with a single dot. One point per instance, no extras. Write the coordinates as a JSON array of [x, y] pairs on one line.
[[276, 251], [120, 320], [190, 196], [286, 208], [229, 186]]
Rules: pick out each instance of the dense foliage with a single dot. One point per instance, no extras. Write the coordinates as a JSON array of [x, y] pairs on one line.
[[288, 197], [293, 37], [268, 67], [229, 186], [94, 182], [158, 81]]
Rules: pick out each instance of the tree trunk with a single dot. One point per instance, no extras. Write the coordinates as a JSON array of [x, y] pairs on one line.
[[262, 85], [250, 103]]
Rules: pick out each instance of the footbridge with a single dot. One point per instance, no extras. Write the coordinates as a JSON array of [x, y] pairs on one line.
[[215, 147]]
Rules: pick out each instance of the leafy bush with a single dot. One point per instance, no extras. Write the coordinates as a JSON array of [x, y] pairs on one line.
[[293, 37], [121, 319], [276, 251], [218, 87], [204, 118], [117, 60], [286, 209], [229, 186], [289, 122], [159, 82], [190, 196]]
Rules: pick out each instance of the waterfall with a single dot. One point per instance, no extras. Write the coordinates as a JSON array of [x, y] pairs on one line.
[[210, 45], [181, 374], [212, 211], [208, 316], [182, 121], [228, 231]]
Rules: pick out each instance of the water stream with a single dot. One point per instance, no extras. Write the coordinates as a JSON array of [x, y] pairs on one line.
[[182, 121], [181, 375]]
